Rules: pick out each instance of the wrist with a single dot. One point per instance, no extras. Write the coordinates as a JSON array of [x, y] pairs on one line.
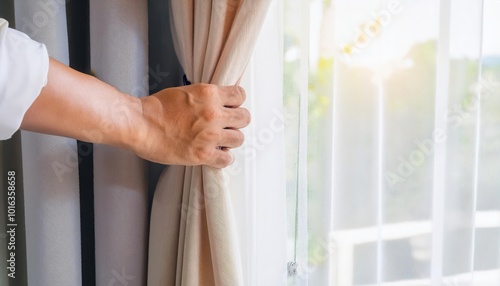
[[131, 121], [147, 128]]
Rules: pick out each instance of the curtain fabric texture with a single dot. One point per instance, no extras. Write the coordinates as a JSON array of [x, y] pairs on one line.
[[50, 165], [408, 193], [193, 234], [119, 56]]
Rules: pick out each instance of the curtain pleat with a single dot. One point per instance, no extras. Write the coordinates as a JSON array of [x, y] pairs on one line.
[[207, 244], [439, 160], [77, 14], [420, 120], [259, 172], [119, 46], [50, 169]]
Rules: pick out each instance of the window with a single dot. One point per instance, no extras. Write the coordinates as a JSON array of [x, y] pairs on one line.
[[393, 141]]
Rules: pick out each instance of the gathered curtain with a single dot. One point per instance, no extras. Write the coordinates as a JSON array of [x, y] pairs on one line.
[[196, 236], [193, 238]]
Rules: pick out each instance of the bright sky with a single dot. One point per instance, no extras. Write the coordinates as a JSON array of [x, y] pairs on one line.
[[417, 22]]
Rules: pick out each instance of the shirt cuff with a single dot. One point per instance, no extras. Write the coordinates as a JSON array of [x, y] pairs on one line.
[[23, 73]]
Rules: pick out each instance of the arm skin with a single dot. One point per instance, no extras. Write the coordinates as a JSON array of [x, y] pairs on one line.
[[191, 125]]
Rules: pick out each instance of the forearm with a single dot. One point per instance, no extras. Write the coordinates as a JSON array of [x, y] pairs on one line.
[[79, 106], [193, 125]]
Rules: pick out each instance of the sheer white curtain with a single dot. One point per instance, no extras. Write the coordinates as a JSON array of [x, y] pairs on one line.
[[257, 180], [52, 205], [405, 94], [193, 239]]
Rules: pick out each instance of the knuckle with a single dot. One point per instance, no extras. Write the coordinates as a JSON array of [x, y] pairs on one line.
[[225, 161], [246, 115], [207, 90], [242, 92], [202, 154], [209, 114], [208, 138], [240, 138], [211, 135]]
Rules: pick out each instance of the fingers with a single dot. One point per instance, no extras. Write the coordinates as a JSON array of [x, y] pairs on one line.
[[231, 138], [223, 121], [222, 158], [237, 118], [232, 96]]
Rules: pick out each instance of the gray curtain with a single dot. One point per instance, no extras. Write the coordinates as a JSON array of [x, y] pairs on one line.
[[119, 56], [50, 168]]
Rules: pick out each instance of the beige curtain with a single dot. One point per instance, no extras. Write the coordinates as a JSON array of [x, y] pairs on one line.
[[193, 235]]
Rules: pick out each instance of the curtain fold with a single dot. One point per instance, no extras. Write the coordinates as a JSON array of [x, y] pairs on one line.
[[192, 217], [119, 56], [413, 169]]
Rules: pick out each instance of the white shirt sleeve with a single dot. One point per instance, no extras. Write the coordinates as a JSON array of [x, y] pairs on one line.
[[24, 66]]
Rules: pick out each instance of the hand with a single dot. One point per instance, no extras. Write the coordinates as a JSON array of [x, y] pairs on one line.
[[192, 125]]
